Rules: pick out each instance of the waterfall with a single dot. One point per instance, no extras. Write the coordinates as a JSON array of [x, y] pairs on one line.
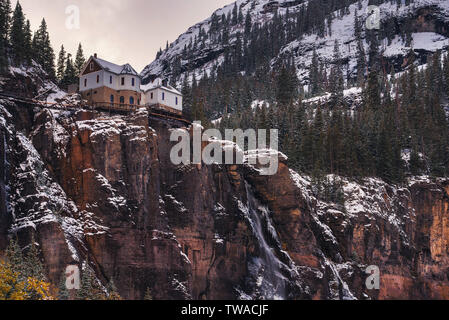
[[5, 170], [270, 284]]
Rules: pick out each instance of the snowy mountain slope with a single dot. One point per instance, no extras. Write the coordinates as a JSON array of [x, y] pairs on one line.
[[261, 12], [343, 31], [431, 18]]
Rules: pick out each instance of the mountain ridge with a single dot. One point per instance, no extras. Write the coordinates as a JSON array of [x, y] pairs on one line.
[[211, 56]]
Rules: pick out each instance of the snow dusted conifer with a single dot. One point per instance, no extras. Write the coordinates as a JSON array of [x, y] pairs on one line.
[[148, 296], [33, 266], [14, 256], [61, 64], [17, 35], [86, 291], [28, 53], [79, 59], [5, 21], [63, 293], [43, 52]]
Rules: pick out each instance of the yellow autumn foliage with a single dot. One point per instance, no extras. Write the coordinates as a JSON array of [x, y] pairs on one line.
[[39, 290], [12, 288]]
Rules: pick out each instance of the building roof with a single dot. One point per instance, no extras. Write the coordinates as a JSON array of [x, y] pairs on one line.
[[157, 84], [115, 68]]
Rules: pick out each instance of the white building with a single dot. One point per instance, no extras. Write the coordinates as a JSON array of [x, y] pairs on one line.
[[159, 94], [105, 82]]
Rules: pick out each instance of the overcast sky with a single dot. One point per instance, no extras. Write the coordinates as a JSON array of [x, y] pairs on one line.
[[119, 30]]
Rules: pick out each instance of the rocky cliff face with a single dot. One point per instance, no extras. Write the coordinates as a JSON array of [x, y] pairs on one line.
[[99, 187]]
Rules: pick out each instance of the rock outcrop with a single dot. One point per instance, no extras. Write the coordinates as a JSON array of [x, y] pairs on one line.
[[101, 188]]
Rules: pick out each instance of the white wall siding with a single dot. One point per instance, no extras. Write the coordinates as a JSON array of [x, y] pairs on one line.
[[92, 81], [105, 81], [169, 98]]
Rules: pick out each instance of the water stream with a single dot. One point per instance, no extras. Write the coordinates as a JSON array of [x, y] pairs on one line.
[[270, 283]]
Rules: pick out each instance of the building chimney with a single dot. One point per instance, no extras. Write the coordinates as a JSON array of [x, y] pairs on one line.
[[95, 56]]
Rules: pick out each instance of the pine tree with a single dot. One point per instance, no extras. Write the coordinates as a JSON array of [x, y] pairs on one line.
[[235, 14], [314, 75], [28, 43], [286, 86], [61, 64], [336, 78], [70, 75], [248, 24], [14, 256], [63, 293], [32, 263], [361, 59], [240, 17], [18, 37], [43, 52], [5, 19], [374, 56], [86, 291], [79, 60], [148, 296]]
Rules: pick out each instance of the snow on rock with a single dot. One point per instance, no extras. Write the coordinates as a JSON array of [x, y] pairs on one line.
[[342, 29], [38, 199]]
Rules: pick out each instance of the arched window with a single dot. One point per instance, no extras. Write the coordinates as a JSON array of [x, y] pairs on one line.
[[131, 100], [122, 99]]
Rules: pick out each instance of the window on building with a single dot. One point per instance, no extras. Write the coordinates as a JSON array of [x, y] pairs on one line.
[[133, 82], [151, 95], [85, 82], [112, 99], [110, 79], [176, 100], [122, 99], [91, 66], [123, 81], [131, 100], [163, 95], [98, 78]]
